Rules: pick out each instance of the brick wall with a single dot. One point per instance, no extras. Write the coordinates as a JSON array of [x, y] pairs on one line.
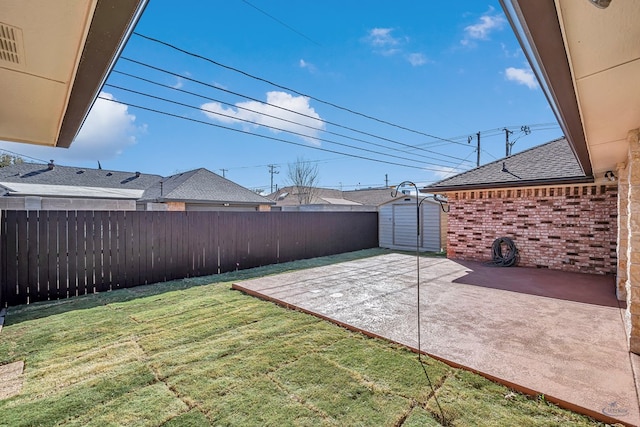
[[563, 228]]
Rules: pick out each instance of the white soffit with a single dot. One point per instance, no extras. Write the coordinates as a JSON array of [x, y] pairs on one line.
[[21, 189], [603, 47], [36, 88]]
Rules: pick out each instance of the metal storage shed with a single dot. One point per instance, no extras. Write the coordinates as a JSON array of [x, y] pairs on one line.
[[397, 224]]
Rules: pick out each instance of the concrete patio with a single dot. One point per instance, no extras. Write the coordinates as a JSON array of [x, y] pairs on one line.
[[539, 331]]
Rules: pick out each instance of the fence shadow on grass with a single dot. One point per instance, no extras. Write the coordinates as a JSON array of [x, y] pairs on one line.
[[38, 310]]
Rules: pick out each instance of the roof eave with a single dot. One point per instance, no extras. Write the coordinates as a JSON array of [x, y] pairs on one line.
[[535, 24], [218, 202], [512, 184], [101, 51]]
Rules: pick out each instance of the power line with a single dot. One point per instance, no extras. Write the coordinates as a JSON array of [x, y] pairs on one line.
[[244, 73], [491, 133], [280, 118], [268, 126], [281, 23], [311, 147], [162, 70]]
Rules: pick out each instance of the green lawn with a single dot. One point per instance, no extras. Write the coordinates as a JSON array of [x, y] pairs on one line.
[[194, 352]]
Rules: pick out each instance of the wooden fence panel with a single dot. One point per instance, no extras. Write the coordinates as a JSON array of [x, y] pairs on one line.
[[63, 257], [49, 255], [22, 249], [54, 290], [144, 228], [11, 270], [226, 233], [100, 241], [72, 254], [206, 228]]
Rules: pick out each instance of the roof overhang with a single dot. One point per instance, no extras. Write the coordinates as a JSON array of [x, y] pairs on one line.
[[587, 61], [73, 191], [515, 184], [208, 202], [54, 59]]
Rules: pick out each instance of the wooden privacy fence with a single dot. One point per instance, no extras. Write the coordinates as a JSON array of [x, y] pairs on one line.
[[50, 255]]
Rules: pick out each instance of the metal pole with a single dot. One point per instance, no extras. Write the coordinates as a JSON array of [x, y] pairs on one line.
[[478, 161]]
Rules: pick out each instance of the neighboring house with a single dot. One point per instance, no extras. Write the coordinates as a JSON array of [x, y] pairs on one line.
[[201, 190], [33, 186], [325, 199], [557, 217], [54, 59]]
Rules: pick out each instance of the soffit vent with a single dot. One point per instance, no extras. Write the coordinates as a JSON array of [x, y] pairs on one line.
[[11, 47]]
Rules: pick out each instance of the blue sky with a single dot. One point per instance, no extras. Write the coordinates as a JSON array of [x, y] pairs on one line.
[[442, 71]]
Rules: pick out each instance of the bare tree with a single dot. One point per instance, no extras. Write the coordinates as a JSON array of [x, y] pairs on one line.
[[303, 175], [8, 160]]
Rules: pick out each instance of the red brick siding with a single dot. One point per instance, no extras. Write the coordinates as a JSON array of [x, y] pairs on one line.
[[567, 228]]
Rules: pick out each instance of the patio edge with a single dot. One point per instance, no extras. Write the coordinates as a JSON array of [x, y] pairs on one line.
[[522, 389]]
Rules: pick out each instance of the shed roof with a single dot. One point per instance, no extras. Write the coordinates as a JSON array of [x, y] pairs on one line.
[[546, 164]]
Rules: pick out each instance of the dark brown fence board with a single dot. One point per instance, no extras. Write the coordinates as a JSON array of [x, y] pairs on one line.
[[43, 256], [72, 253], [11, 249], [101, 239], [3, 260], [50, 254], [173, 251], [198, 230], [212, 245], [183, 258], [63, 258], [132, 272], [120, 270], [145, 242], [22, 249], [52, 257], [226, 245], [157, 274]]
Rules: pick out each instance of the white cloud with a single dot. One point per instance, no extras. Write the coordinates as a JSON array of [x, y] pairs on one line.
[[383, 42], [258, 114], [381, 38], [523, 76], [309, 66], [417, 59], [442, 172], [488, 23], [108, 130], [509, 54], [179, 83]]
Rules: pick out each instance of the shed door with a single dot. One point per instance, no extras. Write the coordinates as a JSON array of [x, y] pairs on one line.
[[404, 225]]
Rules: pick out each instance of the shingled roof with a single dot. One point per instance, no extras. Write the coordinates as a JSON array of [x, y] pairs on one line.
[[547, 164], [39, 179], [34, 173], [288, 196], [201, 185]]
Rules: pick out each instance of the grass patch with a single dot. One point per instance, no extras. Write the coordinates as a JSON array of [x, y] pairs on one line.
[[194, 352]]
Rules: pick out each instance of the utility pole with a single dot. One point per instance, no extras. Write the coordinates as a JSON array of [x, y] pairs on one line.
[[272, 171], [507, 132], [386, 180], [478, 161], [223, 172]]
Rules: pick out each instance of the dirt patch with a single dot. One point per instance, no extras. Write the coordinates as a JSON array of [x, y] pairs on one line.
[[11, 379]]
